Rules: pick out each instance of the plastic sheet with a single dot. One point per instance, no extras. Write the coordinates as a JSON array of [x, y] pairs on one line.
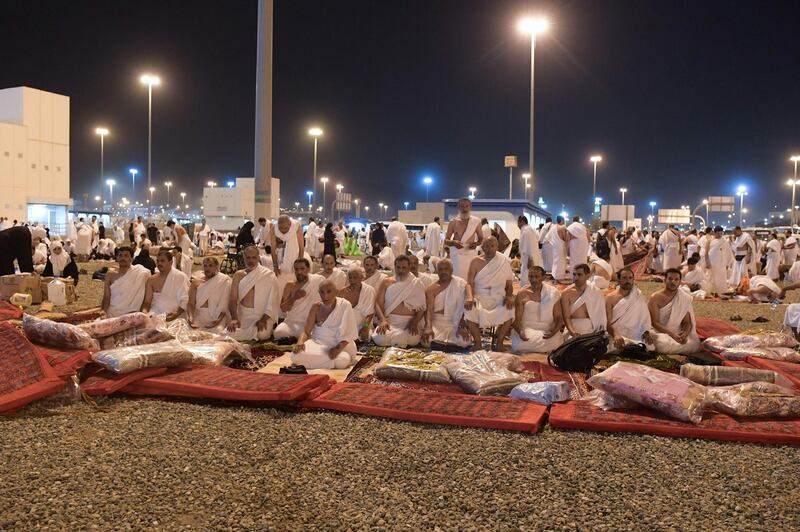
[[545, 393], [411, 365], [773, 353], [65, 335], [480, 374], [506, 360], [607, 401], [126, 359], [111, 326], [753, 399], [667, 393], [183, 332], [718, 344], [214, 352], [725, 375]]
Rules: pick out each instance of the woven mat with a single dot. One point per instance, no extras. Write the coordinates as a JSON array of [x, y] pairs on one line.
[[541, 371], [65, 362], [220, 382], [432, 407], [103, 382], [9, 311], [583, 416], [708, 327], [82, 316], [274, 367], [789, 370], [25, 374]]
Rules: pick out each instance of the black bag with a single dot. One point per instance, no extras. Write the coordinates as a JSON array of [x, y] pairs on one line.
[[636, 352], [581, 353], [294, 369], [704, 358]]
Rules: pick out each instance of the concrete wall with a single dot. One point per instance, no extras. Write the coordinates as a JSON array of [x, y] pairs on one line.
[[424, 213]]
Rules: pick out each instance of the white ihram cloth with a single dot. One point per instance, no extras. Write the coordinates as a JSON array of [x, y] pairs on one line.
[[60, 260], [84, 243], [266, 301], [529, 252], [312, 240], [578, 245], [615, 257], [397, 236], [139, 230], [720, 256], [291, 252], [740, 268], [670, 317], [462, 258], [297, 316], [792, 317], [537, 319], [376, 280], [203, 238], [427, 278], [671, 243], [173, 295], [757, 281], [774, 257], [261, 234], [211, 302], [559, 250], [701, 249], [699, 277], [386, 258], [366, 303], [630, 319], [595, 307], [341, 325], [410, 292], [448, 310], [337, 276], [433, 240], [793, 275], [339, 235], [547, 247], [95, 233], [598, 281], [790, 255], [692, 245], [490, 292], [127, 292]]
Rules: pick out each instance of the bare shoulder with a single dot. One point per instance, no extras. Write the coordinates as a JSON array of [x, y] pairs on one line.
[[238, 275], [523, 295]]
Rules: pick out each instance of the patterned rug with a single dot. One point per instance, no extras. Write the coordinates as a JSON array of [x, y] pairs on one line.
[[82, 316], [65, 362], [103, 382], [220, 382], [432, 407], [708, 327], [583, 416], [789, 370], [541, 372], [25, 374], [9, 311]]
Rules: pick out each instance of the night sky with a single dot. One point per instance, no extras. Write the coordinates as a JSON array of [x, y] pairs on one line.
[[683, 99]]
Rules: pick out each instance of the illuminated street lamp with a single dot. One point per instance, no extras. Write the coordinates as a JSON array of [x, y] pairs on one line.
[[316, 133], [133, 172], [533, 27], [742, 192], [594, 159], [427, 180], [110, 183], [151, 81], [309, 193], [526, 176], [405, 204], [102, 131], [358, 208], [324, 181], [652, 206], [623, 191], [472, 191], [183, 197], [98, 199], [795, 159], [168, 184]]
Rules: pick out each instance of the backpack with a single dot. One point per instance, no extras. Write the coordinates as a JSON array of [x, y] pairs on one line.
[[635, 352], [580, 354]]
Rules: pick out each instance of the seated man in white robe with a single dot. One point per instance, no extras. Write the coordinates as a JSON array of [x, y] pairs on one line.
[[600, 272], [255, 300], [331, 273], [628, 315], [582, 306], [400, 307], [328, 340], [298, 298], [538, 321], [444, 301], [672, 316], [124, 289], [762, 289], [288, 245], [208, 298], [490, 295], [695, 280], [167, 291], [39, 260], [362, 297], [372, 276], [426, 278], [386, 258]]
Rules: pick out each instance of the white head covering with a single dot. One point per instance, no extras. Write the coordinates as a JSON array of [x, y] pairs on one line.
[[60, 260]]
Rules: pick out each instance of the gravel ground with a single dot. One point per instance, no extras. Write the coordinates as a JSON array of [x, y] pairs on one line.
[[136, 464]]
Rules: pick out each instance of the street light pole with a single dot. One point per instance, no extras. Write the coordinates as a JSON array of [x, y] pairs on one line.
[[533, 27], [623, 190], [315, 132], [168, 184], [427, 182], [133, 172], [102, 131], [111, 183], [324, 204], [795, 159], [150, 80], [594, 159]]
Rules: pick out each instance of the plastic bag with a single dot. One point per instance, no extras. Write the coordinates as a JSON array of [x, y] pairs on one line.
[[111, 326], [506, 360], [411, 365], [183, 332], [128, 359], [47, 332], [773, 353], [210, 352], [607, 401], [742, 341], [753, 399], [725, 375], [480, 374], [667, 393], [542, 392], [141, 337]]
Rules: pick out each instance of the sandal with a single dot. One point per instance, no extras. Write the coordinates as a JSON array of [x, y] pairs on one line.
[[735, 318], [760, 319]]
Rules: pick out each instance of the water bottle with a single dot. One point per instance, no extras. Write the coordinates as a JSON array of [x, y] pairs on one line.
[[775, 303]]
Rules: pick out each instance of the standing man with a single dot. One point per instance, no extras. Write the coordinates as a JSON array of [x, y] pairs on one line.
[[578, 239], [789, 248], [719, 256], [397, 236], [262, 237], [744, 249], [557, 237], [287, 246], [670, 241], [312, 239], [547, 247], [463, 236], [433, 239], [529, 252], [490, 295]]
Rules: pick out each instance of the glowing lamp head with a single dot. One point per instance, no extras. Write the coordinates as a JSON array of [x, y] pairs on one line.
[[427, 180], [652, 203], [794, 158], [152, 189], [231, 184], [596, 158], [324, 180], [110, 182], [533, 26], [315, 132], [741, 189], [133, 171], [623, 190], [167, 184], [526, 176], [97, 198], [102, 131], [150, 79]]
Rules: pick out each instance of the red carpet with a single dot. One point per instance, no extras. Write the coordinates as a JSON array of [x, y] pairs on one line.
[[25, 374], [82, 316], [432, 407], [546, 373], [583, 416], [220, 382], [708, 327], [789, 370], [65, 362], [9, 311], [104, 382]]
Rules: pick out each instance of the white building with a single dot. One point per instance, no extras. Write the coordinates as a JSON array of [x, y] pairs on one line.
[[227, 208], [34, 156]]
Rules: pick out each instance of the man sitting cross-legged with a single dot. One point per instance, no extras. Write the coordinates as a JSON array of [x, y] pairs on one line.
[[490, 295], [628, 315], [445, 308], [255, 302], [583, 306], [328, 340], [298, 298], [362, 297], [426, 278], [400, 306], [166, 292], [331, 273], [124, 289], [208, 298], [672, 315], [372, 276], [537, 316], [695, 279]]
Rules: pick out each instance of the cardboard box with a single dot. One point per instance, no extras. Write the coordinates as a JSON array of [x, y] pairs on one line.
[[70, 288], [21, 284]]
